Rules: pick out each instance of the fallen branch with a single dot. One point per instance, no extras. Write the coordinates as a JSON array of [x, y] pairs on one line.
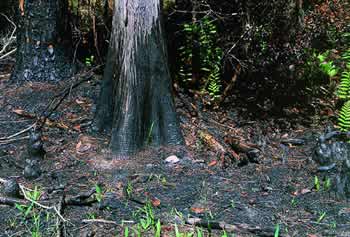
[[210, 140], [12, 201], [220, 225]]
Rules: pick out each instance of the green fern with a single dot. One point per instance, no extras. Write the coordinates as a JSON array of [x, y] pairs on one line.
[[208, 78], [344, 87], [214, 85], [344, 117]]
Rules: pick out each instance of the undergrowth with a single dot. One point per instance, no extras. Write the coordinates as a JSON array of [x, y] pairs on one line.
[[200, 57]]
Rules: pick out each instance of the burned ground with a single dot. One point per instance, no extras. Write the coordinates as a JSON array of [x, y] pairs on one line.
[[213, 181]]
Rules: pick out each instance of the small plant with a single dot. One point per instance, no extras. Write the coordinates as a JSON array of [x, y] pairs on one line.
[[277, 231], [129, 189], [294, 202], [99, 194], [126, 231], [89, 61], [327, 67], [321, 217], [158, 229], [146, 215], [91, 216], [317, 184], [327, 184], [149, 136], [200, 232]]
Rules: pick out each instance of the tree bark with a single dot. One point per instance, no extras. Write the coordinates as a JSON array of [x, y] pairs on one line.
[[40, 55], [136, 104]]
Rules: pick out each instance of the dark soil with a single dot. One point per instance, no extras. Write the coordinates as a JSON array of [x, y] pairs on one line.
[[276, 186]]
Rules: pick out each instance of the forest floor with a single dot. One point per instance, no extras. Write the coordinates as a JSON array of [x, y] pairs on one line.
[[218, 182]]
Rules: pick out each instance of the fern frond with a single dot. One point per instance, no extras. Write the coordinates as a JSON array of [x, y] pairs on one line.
[[344, 87], [344, 117]]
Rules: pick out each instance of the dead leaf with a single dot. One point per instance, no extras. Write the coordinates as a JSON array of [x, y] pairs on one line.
[[198, 210], [77, 128], [305, 190], [79, 102], [155, 202], [77, 147], [23, 113], [213, 163]]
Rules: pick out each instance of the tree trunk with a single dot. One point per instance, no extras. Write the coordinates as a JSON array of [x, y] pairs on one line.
[[135, 103], [40, 55]]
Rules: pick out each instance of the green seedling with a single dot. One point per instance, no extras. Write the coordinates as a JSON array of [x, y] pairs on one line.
[[99, 195], [126, 231], [277, 231], [317, 183], [158, 229], [321, 217], [327, 184]]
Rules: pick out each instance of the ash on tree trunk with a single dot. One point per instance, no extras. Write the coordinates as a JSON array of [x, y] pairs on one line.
[[40, 55], [135, 103]]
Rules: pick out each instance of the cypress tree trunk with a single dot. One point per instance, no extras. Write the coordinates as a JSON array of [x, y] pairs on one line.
[[40, 56], [135, 103]]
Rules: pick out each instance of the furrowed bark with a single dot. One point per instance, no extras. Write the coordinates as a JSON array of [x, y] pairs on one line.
[[136, 104]]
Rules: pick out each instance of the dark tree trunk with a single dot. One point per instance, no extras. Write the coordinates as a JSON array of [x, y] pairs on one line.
[[40, 55], [135, 103]]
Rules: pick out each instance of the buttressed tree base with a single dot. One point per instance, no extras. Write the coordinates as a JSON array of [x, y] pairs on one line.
[[136, 104]]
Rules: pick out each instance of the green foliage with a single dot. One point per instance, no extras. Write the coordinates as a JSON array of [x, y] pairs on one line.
[[344, 117], [317, 184], [99, 194], [200, 57], [344, 92], [277, 231], [344, 86], [89, 61], [327, 66]]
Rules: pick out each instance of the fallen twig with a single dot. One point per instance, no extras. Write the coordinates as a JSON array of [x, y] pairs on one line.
[[86, 221], [18, 133], [13, 140], [8, 53]]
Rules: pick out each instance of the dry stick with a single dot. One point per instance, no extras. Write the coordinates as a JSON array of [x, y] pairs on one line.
[[99, 221], [12, 34], [13, 140], [18, 133], [8, 53], [41, 205]]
